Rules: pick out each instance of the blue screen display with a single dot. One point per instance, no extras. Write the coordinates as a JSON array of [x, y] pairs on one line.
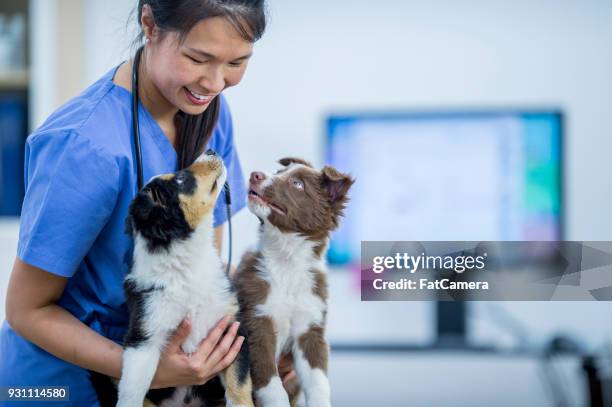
[[447, 176]]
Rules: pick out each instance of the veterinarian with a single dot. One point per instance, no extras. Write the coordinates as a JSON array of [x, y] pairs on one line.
[[66, 312]]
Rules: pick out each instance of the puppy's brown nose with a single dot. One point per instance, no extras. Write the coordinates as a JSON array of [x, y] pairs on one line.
[[257, 177]]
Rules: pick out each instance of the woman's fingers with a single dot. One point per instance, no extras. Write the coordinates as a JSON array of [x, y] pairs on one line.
[[230, 356], [209, 344], [285, 368], [285, 364], [289, 376], [215, 353], [179, 336], [224, 346]]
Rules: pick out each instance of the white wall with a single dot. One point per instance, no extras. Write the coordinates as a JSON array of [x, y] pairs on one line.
[[320, 56], [56, 54], [109, 30], [43, 57]]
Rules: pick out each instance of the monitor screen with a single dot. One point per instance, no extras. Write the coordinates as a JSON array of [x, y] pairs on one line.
[[478, 176]]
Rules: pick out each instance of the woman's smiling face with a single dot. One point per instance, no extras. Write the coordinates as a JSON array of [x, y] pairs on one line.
[[191, 71]]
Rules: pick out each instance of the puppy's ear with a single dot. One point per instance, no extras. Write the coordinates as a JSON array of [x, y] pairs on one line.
[[287, 161], [336, 185], [138, 214]]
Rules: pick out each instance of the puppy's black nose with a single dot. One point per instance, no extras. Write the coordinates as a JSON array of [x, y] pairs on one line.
[[210, 152]]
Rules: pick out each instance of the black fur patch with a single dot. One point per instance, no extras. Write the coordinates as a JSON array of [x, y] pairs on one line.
[[105, 389], [243, 356], [159, 395], [136, 301], [211, 392], [156, 213]]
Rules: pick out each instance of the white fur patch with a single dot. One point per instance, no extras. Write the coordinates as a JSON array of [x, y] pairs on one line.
[[301, 399], [139, 366], [273, 394]]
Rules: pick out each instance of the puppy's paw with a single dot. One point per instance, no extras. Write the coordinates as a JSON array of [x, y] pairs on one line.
[[273, 395]]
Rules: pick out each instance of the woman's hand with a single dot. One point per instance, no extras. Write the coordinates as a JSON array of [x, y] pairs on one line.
[[215, 353], [285, 368]]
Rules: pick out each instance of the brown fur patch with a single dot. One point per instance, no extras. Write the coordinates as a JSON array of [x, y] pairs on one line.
[[293, 390], [336, 184], [287, 161], [148, 403], [166, 177], [252, 291], [313, 345], [320, 285], [239, 394], [262, 348], [194, 211], [202, 202], [205, 167], [319, 249]]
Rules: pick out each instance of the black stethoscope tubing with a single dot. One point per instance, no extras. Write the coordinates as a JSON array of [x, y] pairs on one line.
[[138, 151]]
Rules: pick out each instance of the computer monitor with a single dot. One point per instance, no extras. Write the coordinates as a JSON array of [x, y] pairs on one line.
[[447, 175]]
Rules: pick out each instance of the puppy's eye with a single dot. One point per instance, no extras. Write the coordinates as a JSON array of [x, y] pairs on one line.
[[214, 186], [297, 183]]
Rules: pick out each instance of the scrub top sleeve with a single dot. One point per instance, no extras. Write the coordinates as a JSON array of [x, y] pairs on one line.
[[71, 190], [235, 177]]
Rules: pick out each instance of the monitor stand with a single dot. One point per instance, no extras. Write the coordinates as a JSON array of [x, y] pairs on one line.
[[451, 324]]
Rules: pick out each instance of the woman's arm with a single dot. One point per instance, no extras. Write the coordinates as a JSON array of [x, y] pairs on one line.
[[32, 313]]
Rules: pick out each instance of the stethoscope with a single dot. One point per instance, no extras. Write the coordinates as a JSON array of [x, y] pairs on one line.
[[138, 151]]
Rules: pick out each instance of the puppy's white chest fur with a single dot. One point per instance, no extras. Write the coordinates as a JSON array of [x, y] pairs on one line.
[[191, 284], [291, 302]]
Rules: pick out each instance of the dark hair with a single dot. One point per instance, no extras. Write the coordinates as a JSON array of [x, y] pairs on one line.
[[248, 18]]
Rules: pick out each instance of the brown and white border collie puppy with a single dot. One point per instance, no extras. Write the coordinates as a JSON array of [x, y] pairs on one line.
[[282, 287], [177, 274]]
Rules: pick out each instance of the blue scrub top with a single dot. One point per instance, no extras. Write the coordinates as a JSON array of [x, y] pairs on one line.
[[80, 179]]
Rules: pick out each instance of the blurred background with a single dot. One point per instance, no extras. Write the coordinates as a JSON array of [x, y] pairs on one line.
[[462, 120]]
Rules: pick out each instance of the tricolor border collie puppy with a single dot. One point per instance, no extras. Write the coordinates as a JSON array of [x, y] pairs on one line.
[[177, 274], [282, 287]]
